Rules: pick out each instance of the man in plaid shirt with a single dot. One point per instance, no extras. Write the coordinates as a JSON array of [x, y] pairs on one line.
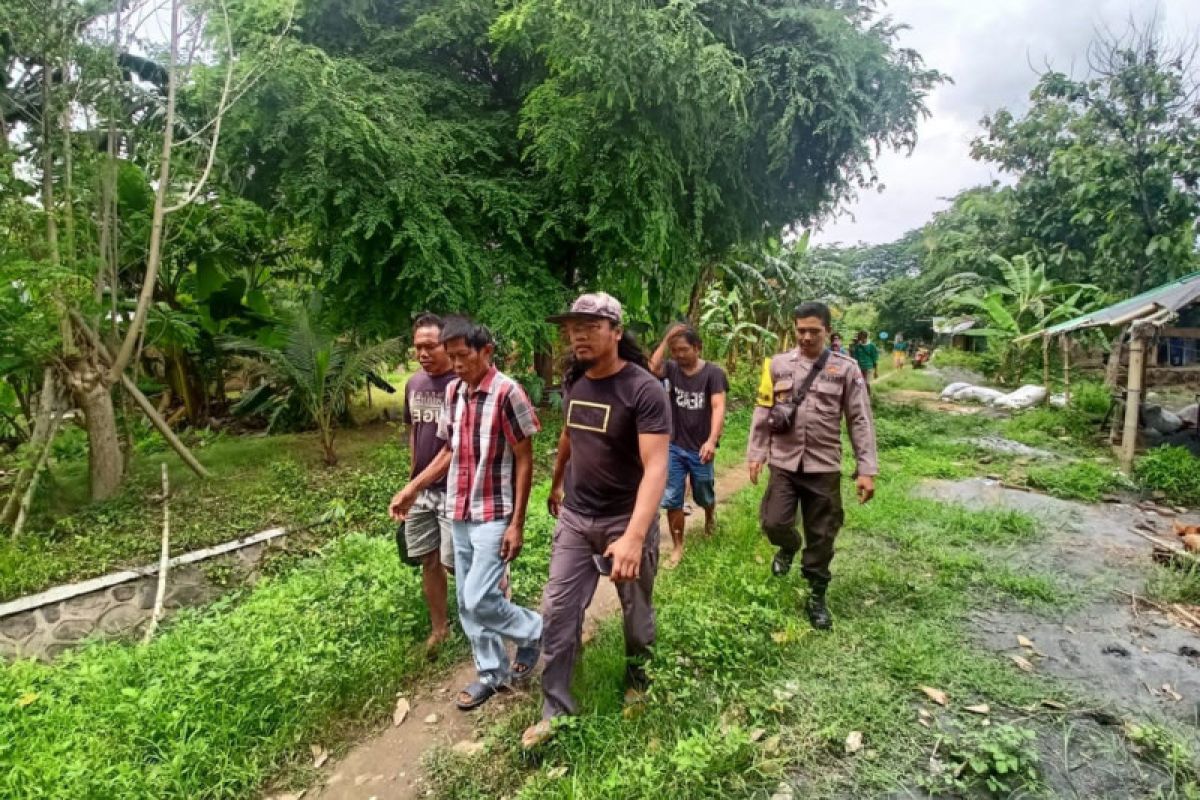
[[488, 424]]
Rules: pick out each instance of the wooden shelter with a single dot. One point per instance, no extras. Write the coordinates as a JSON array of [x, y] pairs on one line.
[[1160, 328]]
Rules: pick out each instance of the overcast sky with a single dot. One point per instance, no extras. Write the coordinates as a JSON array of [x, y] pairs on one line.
[[988, 49]]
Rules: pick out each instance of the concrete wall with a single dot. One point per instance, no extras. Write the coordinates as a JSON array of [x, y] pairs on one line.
[[123, 610]]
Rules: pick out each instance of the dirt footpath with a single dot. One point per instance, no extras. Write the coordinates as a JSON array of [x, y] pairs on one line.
[[387, 765], [1112, 650]]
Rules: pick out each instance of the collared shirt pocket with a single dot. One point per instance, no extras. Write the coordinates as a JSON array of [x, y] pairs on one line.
[[828, 395], [783, 390]]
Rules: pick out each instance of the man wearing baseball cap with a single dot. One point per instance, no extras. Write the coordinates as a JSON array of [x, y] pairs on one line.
[[609, 476]]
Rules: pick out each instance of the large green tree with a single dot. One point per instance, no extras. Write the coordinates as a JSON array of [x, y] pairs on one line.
[[1108, 166], [446, 153]]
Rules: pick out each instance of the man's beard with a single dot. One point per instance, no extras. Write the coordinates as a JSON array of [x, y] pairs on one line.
[[585, 364]]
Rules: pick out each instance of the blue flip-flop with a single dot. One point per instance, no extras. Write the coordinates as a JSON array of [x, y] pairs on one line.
[[526, 661], [479, 692]]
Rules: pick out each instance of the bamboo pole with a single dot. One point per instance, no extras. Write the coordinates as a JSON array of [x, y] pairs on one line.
[[1066, 359], [164, 559], [27, 500], [41, 424], [1046, 362], [1133, 400]]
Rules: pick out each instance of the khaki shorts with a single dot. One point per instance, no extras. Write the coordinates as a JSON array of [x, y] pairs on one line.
[[427, 528]]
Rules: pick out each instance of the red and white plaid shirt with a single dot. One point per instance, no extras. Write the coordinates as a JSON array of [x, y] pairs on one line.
[[481, 428]]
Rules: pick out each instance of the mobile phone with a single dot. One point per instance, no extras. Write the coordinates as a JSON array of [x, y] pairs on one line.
[[603, 564]]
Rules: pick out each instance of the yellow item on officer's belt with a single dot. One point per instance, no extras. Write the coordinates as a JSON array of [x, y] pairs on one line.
[[766, 386]]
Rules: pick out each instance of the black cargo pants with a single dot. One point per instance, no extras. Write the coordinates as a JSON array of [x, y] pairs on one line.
[[819, 497]]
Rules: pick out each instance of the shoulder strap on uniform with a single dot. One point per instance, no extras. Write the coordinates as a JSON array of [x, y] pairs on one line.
[[801, 391]]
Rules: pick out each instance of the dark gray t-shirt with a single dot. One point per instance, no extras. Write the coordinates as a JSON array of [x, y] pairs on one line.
[[424, 396], [603, 419], [691, 402]]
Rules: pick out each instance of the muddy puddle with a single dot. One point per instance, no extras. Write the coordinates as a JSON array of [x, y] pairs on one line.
[[1121, 656]]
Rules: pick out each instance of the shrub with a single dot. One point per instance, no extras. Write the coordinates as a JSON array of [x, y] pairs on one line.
[[1090, 398], [1173, 471]]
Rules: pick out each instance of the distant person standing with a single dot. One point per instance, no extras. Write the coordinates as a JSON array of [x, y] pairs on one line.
[[609, 477], [487, 426], [899, 351], [427, 529], [835, 343], [864, 351], [697, 391], [796, 429]]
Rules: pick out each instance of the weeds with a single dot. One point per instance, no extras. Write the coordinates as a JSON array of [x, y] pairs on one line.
[[1174, 471], [999, 760]]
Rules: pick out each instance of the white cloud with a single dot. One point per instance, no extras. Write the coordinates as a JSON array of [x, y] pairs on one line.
[[993, 52]]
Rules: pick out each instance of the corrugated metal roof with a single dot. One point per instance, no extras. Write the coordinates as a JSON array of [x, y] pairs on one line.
[[1173, 296], [952, 326]]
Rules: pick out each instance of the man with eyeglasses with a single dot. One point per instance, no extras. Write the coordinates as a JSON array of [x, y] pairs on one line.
[[609, 476]]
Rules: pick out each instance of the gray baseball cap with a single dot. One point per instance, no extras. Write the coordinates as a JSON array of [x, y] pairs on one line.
[[594, 305]]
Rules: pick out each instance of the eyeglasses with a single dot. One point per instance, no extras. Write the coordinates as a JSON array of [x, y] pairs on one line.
[[577, 327]]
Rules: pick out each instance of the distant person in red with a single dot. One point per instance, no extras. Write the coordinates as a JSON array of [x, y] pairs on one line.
[[696, 389]]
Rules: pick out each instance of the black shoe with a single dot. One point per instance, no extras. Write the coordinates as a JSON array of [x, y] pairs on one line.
[[782, 563], [636, 678], [818, 612]]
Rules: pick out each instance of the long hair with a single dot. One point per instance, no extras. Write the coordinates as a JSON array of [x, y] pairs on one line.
[[628, 349]]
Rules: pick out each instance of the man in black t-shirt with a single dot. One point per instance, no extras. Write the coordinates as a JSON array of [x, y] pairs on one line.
[[608, 480], [697, 391]]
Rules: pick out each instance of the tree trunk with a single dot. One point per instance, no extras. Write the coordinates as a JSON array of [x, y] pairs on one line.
[[106, 465]]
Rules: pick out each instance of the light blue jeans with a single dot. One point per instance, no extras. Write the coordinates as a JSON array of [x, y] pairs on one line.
[[486, 617]]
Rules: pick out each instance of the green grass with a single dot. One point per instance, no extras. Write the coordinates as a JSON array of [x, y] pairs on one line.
[[219, 700], [1081, 480], [257, 482], [735, 657]]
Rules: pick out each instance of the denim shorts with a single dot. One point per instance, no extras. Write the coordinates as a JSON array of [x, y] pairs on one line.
[[685, 464]]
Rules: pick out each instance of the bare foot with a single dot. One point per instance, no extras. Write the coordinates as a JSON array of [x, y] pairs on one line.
[[675, 557], [536, 735], [436, 640]]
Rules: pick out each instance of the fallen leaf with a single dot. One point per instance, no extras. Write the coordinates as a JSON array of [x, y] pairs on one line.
[[783, 696], [1022, 663], [432, 719], [781, 637], [27, 699], [982, 708], [556, 773], [1069, 629], [1174, 695], [757, 734], [924, 717], [467, 748], [1021, 640], [401, 712], [854, 742], [320, 755], [936, 695]]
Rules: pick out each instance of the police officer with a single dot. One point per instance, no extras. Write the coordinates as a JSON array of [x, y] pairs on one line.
[[796, 429]]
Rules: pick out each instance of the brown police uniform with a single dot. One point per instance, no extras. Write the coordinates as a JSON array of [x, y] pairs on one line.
[[806, 461]]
